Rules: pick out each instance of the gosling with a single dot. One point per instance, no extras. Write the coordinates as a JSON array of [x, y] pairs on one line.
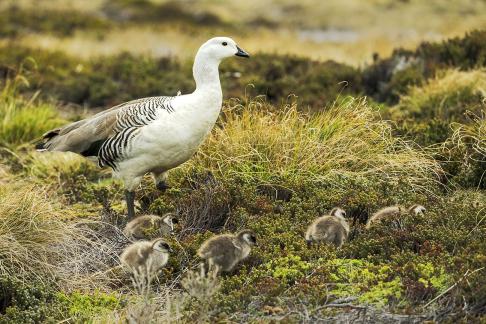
[[144, 227], [331, 228], [223, 252], [146, 258], [394, 212]]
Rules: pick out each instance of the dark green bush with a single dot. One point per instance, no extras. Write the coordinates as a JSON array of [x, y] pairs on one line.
[[28, 303], [99, 82], [146, 11], [462, 52], [111, 80], [15, 21], [387, 78], [278, 76]]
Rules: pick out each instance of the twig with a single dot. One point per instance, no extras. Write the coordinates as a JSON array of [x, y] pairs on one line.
[[340, 306]]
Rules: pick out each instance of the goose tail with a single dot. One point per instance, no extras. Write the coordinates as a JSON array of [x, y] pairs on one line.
[[42, 144]]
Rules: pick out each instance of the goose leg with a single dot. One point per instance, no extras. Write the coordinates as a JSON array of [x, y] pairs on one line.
[[130, 199]]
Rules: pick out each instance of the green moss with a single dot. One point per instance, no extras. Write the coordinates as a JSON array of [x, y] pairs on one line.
[[372, 284], [84, 307], [430, 275], [289, 268]]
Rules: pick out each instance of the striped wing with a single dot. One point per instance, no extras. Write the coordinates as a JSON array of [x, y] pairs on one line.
[[106, 135], [130, 118]]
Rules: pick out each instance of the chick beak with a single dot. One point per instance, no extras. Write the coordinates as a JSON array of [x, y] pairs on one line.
[[241, 52]]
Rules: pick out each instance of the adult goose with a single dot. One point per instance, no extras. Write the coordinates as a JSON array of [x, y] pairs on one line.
[[152, 134]]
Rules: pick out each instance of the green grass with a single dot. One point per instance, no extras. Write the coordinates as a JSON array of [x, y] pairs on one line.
[[23, 120]]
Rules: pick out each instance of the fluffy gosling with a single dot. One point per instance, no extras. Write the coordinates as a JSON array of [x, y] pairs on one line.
[[146, 258], [331, 228], [223, 252], [144, 227], [393, 212]]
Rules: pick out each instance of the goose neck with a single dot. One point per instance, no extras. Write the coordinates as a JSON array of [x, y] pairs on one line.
[[206, 73]]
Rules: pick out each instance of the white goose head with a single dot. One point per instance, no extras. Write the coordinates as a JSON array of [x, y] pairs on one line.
[[219, 48], [206, 63]]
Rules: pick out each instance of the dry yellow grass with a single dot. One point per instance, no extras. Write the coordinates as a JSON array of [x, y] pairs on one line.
[[444, 95], [260, 143], [37, 242]]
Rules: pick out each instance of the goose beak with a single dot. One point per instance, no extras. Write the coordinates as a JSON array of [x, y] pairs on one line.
[[241, 52]]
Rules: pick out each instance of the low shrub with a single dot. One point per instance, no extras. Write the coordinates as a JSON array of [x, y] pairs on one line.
[[32, 302], [278, 77], [36, 302], [84, 307]]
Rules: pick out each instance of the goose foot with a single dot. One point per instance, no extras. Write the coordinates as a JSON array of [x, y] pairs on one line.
[[162, 186]]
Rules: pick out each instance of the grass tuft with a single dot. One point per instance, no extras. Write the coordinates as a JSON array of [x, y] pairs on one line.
[[448, 96], [36, 242], [260, 143]]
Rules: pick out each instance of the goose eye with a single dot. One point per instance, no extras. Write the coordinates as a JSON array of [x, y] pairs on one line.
[[225, 43]]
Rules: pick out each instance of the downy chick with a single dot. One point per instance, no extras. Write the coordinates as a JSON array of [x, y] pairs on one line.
[[393, 212], [145, 258], [146, 226], [331, 228], [223, 252]]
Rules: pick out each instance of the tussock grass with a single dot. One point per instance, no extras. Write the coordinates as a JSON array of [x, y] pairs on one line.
[[467, 147], [260, 143], [22, 120], [473, 134], [36, 243], [28, 228], [447, 96]]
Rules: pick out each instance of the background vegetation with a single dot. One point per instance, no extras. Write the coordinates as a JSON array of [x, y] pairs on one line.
[[299, 134]]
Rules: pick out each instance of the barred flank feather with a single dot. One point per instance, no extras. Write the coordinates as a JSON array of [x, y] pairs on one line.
[[136, 114]]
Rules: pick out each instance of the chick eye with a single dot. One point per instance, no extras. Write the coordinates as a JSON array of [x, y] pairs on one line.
[[225, 43]]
